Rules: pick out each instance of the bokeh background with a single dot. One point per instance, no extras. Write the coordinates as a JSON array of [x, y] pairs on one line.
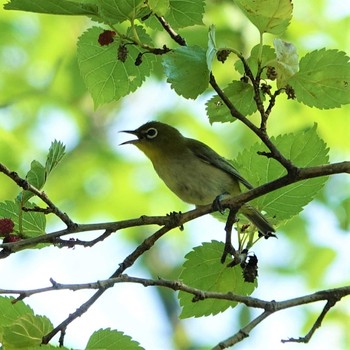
[[43, 97]]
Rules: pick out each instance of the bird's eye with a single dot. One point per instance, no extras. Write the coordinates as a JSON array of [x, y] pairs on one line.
[[151, 133]]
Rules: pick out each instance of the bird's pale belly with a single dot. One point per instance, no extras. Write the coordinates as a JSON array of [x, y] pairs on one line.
[[198, 183]]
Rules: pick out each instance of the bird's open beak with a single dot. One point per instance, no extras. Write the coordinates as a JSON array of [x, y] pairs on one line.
[[131, 142]]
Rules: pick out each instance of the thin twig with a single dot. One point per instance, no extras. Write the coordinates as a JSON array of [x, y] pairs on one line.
[[128, 261], [275, 153], [70, 243], [333, 295], [175, 36], [330, 303], [242, 333], [42, 195]]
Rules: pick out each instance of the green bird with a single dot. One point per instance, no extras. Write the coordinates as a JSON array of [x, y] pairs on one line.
[[192, 170]]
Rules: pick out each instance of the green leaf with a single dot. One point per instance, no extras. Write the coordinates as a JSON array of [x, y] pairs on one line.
[[286, 63], [203, 270], [303, 148], [26, 331], [187, 71], [36, 176], [118, 11], [159, 7], [56, 153], [240, 94], [20, 328], [211, 51], [185, 13], [323, 80], [265, 55], [33, 224], [106, 77], [269, 16], [108, 339], [10, 311], [61, 7]]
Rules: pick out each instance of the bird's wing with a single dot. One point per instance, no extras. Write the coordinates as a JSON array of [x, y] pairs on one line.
[[208, 155]]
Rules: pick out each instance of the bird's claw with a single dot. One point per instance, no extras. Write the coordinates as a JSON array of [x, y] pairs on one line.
[[217, 206]]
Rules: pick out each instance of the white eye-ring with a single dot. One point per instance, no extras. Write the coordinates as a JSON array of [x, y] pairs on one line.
[[151, 133]]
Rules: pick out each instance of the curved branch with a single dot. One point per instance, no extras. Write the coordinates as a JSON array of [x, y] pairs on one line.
[[128, 261], [172, 221], [42, 195], [261, 133], [332, 296]]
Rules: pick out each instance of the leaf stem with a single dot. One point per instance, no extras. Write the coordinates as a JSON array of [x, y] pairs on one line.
[[260, 49]]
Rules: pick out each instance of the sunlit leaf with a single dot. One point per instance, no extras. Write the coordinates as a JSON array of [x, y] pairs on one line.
[[56, 153], [26, 331], [269, 16], [323, 80], [211, 51], [203, 270], [32, 223], [117, 11], [265, 54], [187, 71], [160, 7], [109, 339], [10, 311], [36, 176], [61, 7], [107, 77], [286, 63], [303, 148], [240, 94], [185, 13]]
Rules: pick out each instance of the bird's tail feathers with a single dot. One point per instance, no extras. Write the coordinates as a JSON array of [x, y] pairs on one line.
[[257, 219]]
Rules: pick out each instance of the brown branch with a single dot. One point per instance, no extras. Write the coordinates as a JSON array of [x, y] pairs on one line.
[[72, 242], [175, 36], [332, 296], [299, 175], [330, 303], [242, 333], [275, 153], [182, 218], [128, 261], [171, 220], [269, 107], [42, 195]]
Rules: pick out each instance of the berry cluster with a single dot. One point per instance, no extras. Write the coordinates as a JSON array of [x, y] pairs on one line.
[[6, 231]]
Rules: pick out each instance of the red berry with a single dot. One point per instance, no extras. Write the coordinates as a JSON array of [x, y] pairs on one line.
[[106, 37], [11, 239], [6, 226]]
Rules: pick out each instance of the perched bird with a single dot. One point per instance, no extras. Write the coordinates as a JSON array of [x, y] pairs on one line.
[[192, 170]]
